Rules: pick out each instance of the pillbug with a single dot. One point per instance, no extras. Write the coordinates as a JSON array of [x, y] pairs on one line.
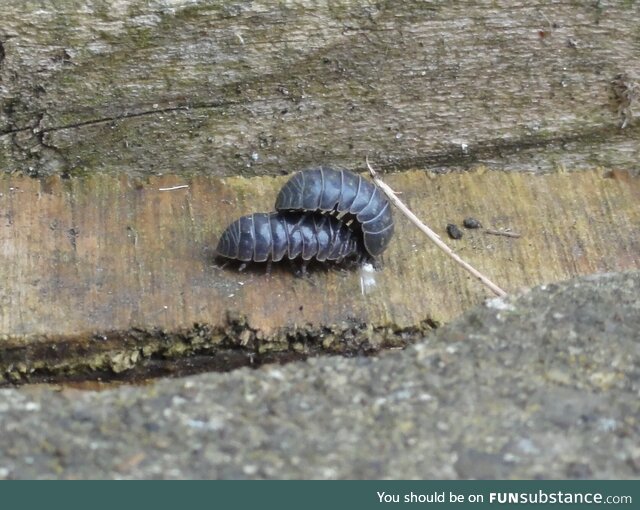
[[345, 194], [262, 237]]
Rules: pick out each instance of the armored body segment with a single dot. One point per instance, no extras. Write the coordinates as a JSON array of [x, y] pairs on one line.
[[346, 195], [260, 237]]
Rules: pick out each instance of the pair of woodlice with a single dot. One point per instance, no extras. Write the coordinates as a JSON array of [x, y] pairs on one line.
[[321, 213]]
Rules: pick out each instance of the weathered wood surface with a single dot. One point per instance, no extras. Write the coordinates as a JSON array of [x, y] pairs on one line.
[[256, 88], [104, 272]]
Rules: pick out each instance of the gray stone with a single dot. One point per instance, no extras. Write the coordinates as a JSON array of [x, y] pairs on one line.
[[544, 384]]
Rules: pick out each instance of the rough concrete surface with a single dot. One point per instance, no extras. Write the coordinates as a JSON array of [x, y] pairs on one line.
[[544, 384]]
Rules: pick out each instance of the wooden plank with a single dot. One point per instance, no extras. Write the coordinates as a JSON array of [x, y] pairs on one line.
[[103, 273], [263, 88]]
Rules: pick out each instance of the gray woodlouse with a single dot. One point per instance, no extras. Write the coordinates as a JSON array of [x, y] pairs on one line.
[[346, 195], [262, 237]]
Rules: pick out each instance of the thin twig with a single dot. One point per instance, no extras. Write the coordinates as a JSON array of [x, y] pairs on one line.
[[431, 234], [501, 233], [172, 188]]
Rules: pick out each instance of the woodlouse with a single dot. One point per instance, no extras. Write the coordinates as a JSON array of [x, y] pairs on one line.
[[346, 195], [262, 237]]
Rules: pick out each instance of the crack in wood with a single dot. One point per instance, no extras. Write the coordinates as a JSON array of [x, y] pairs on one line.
[[124, 116], [449, 157], [501, 148], [141, 354]]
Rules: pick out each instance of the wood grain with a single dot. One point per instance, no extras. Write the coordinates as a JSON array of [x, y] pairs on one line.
[[104, 272], [257, 88], [106, 103]]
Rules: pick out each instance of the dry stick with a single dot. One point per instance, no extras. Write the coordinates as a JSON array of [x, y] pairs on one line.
[[431, 234]]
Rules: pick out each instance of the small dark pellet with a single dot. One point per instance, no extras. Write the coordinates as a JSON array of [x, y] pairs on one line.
[[471, 223], [453, 231]]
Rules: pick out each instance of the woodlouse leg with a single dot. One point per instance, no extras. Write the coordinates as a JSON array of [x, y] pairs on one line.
[[295, 269], [301, 272], [242, 267], [341, 270], [269, 267], [222, 265]]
